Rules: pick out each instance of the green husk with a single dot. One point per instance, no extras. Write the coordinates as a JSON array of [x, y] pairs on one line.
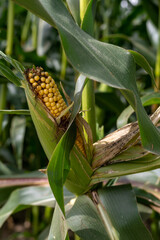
[[49, 133]]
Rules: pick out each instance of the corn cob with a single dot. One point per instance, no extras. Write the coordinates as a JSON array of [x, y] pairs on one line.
[[45, 88]]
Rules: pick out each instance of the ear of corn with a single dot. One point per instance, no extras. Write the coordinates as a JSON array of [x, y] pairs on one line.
[[47, 107], [45, 88]]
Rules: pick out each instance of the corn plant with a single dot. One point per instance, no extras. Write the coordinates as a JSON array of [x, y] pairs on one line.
[[86, 167]]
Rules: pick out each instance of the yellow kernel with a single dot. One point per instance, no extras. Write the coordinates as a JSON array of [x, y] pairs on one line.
[[43, 85], [31, 80], [47, 80], [51, 84], [43, 79], [38, 88], [42, 73], [41, 92], [59, 97], [30, 75], [45, 99], [56, 93], [54, 90], [60, 109], [53, 108], [47, 104], [36, 78], [50, 90], [50, 100], [47, 86], [53, 104], [55, 98], [34, 84], [61, 100], [56, 111], [58, 105], [50, 95], [50, 78], [52, 111], [46, 73], [45, 91]]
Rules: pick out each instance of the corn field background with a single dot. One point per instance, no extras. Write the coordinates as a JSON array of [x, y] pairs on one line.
[[79, 155]]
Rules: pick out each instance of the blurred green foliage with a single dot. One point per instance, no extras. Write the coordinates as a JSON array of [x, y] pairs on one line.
[[131, 24]]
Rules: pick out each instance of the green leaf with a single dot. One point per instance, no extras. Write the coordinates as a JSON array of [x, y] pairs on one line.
[[16, 112], [142, 62], [88, 20], [17, 132], [22, 198], [113, 215], [149, 99], [84, 220], [77, 97], [143, 164], [132, 153], [29, 196], [119, 204], [146, 198], [17, 65], [74, 8], [99, 61], [140, 46], [59, 165], [6, 72], [59, 227], [146, 180]]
